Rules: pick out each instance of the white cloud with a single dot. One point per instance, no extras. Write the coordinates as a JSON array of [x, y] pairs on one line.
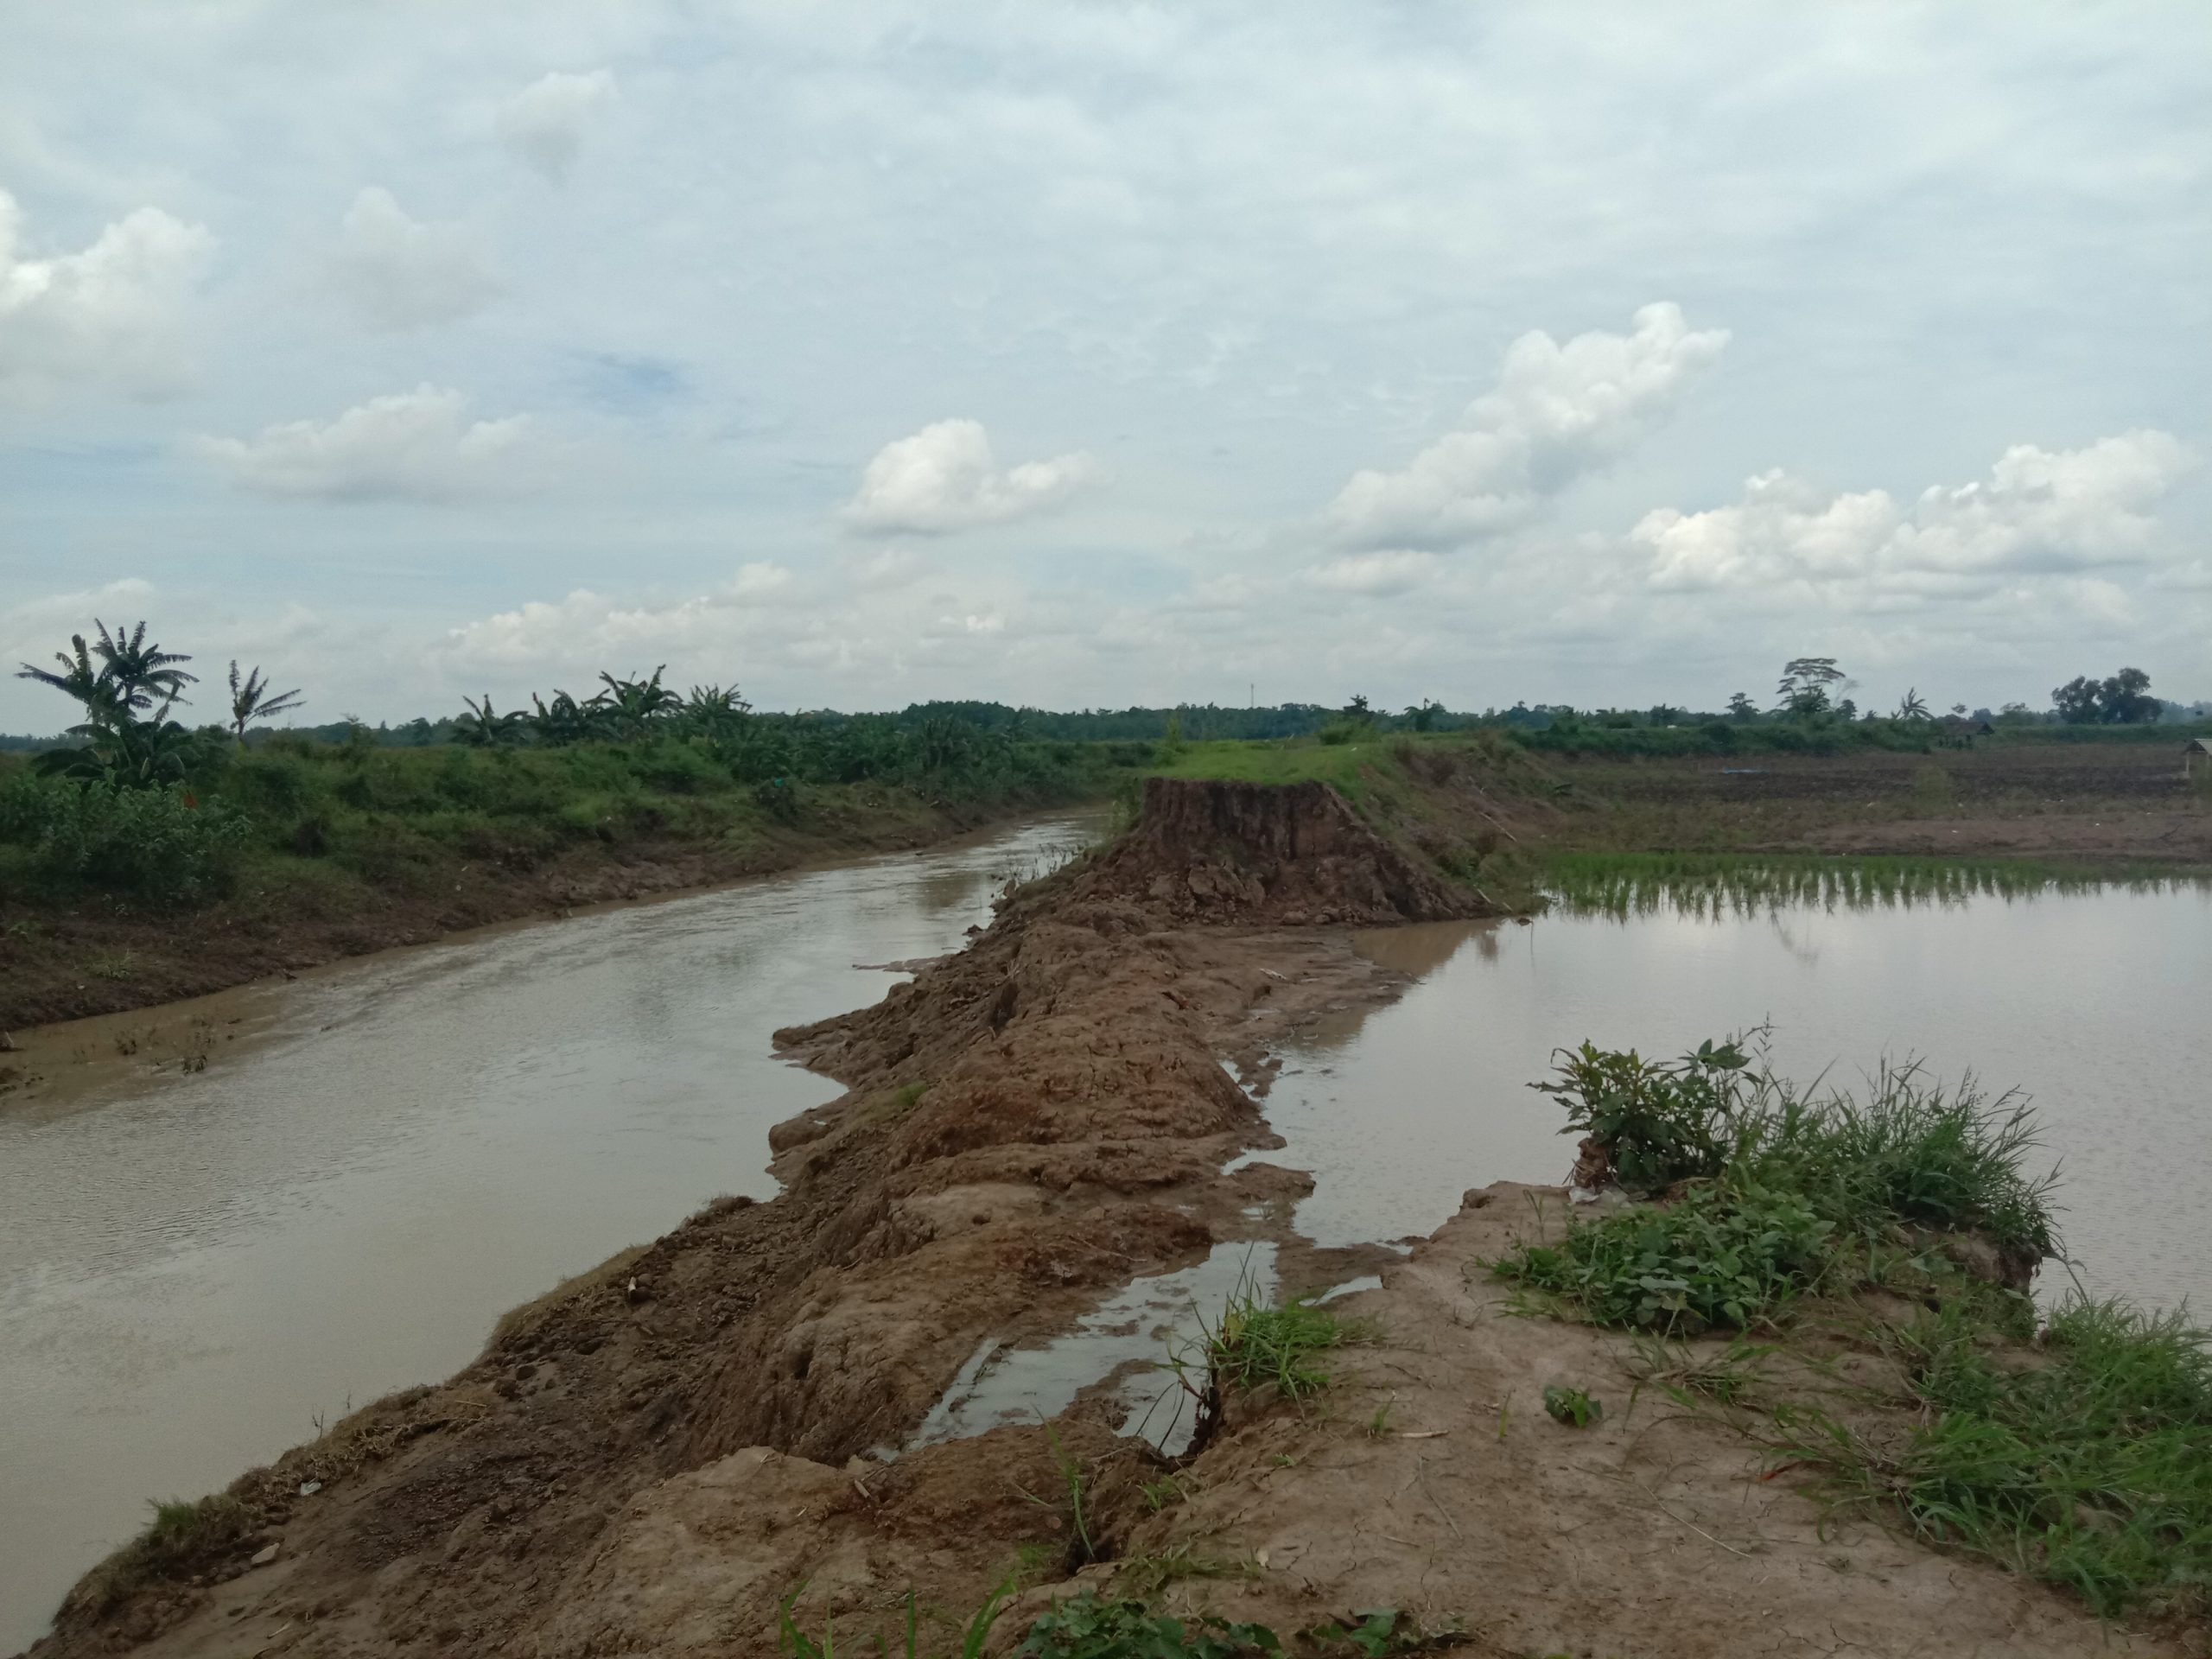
[[2041, 512], [587, 631], [413, 445], [944, 478], [1557, 413], [544, 123], [403, 273], [108, 313], [1378, 575]]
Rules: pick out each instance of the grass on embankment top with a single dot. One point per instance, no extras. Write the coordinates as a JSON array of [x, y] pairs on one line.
[[1278, 760]]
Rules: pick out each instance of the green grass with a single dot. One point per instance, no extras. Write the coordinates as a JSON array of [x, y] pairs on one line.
[[1283, 760], [1626, 884], [287, 811], [2090, 1468], [185, 1536], [1782, 1192], [1260, 1346], [2086, 1461]]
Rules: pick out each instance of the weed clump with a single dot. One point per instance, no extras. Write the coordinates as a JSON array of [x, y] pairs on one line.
[[184, 1536], [1774, 1192], [2092, 1470]]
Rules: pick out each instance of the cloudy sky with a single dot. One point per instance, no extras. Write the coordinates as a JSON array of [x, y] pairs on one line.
[[1088, 353]]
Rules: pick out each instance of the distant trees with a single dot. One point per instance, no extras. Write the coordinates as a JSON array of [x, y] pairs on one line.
[[1912, 705], [2123, 699], [1740, 706]]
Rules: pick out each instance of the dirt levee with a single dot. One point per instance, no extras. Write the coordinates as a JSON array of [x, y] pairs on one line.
[[1030, 1124], [1293, 853]]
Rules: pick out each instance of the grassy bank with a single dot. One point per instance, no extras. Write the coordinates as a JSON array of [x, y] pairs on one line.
[[2076, 1448], [291, 853]]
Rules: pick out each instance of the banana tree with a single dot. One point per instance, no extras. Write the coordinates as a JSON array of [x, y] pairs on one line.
[[635, 704], [252, 700], [481, 728]]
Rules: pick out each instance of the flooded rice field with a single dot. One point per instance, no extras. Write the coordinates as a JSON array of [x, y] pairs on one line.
[[197, 1269], [2093, 1003]]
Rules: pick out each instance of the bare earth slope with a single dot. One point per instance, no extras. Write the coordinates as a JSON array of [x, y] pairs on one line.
[[651, 1460]]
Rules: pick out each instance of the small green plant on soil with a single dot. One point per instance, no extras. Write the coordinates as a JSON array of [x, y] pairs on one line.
[[2086, 1462], [1068, 1503], [1648, 1124], [1087, 1627], [792, 1639], [1258, 1347], [184, 1536], [2092, 1469], [1572, 1407], [1377, 1633]]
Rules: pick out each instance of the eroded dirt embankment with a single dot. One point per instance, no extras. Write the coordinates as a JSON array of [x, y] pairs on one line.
[[651, 1460], [1030, 1122]]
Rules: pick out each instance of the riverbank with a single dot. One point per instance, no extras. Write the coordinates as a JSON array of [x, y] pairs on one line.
[[61, 962], [657, 1457], [357, 860]]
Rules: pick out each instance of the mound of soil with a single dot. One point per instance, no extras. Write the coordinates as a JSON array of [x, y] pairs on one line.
[[1291, 854]]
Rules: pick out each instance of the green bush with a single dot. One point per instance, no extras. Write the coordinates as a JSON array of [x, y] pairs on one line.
[[1651, 1123], [160, 846], [1785, 1193]]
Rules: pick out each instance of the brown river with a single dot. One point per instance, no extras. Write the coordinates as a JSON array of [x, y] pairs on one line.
[[195, 1269]]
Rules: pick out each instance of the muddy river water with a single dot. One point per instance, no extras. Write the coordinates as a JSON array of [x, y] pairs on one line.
[[195, 1268]]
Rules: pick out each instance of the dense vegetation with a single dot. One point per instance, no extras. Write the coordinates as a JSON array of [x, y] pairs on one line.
[[147, 811]]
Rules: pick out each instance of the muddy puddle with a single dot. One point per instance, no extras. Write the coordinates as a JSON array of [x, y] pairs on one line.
[[199, 1266], [2093, 1003]]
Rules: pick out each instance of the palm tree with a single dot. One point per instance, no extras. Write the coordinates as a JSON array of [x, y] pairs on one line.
[[251, 700], [481, 729], [635, 703], [90, 686], [141, 672], [1915, 707]]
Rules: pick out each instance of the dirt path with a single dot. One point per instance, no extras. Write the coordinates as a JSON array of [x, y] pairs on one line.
[[652, 1459]]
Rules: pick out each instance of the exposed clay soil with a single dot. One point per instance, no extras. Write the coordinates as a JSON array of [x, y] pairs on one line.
[[650, 1460], [57, 965]]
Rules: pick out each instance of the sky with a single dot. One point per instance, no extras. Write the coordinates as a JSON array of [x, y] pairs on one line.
[[1093, 354]]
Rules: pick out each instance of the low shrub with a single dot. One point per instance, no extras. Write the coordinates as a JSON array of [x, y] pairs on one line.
[[158, 846]]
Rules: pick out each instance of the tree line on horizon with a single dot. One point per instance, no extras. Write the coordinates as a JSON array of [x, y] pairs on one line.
[[128, 690]]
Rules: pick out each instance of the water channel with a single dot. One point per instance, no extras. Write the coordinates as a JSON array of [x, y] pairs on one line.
[[193, 1269]]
